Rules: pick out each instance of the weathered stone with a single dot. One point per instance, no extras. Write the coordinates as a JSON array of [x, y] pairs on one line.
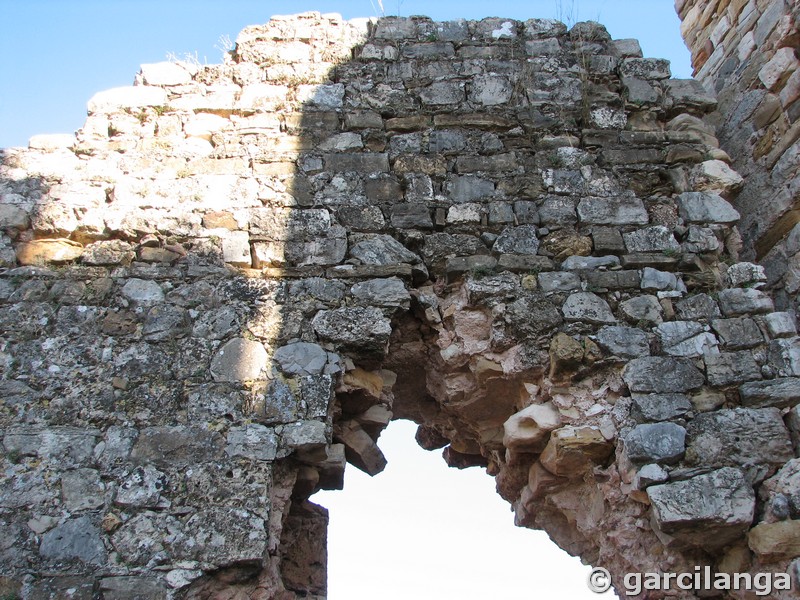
[[127, 97], [656, 443], [175, 446], [410, 216], [40, 252], [382, 250], [82, 489], [649, 475], [651, 239], [252, 441], [753, 439], [737, 334], [558, 281], [659, 407], [354, 330], [517, 240], [74, 539], [302, 358], [708, 511], [529, 429], [728, 368], [580, 263], [612, 211], [133, 587], [239, 359], [703, 207], [385, 293], [587, 307], [696, 307], [772, 542], [625, 342], [360, 449], [661, 375], [142, 291], [779, 324], [142, 488], [645, 309], [566, 354], [573, 450], [779, 393]]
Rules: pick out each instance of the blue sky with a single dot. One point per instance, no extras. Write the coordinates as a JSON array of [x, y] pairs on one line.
[[55, 54]]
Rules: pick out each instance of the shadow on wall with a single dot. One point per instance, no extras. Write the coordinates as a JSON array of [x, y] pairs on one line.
[[250, 268]]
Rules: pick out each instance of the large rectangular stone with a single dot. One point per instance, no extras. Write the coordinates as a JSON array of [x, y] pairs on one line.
[[363, 162], [489, 164], [612, 211], [779, 393]]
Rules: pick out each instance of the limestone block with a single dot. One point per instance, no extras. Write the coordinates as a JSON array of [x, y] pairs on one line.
[[384, 293], [779, 324], [166, 73], [645, 68], [128, 587], [176, 446], [735, 302], [729, 368], [772, 542], [649, 475], [78, 538], [490, 90], [783, 355], [704, 207], [301, 358], [443, 93], [659, 407], [738, 333], [612, 211], [651, 239], [529, 429], [754, 439], [708, 511], [586, 263], [625, 342], [696, 307], [779, 68], [517, 240], [252, 441], [588, 308], [558, 281], [661, 375], [239, 359], [138, 96], [572, 450], [142, 488], [40, 252], [782, 392], [142, 291], [329, 97], [13, 217], [644, 308], [382, 250], [663, 443], [744, 274], [464, 213], [360, 449], [715, 176], [362, 330], [82, 489], [543, 47], [544, 28], [52, 142], [689, 93]]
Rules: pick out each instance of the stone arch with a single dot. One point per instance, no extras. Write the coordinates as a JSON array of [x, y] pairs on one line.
[[275, 250]]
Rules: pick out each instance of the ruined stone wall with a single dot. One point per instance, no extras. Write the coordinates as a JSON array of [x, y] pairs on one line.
[[232, 278], [747, 52]]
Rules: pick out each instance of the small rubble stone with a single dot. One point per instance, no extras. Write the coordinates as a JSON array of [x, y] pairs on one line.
[[573, 450], [529, 429]]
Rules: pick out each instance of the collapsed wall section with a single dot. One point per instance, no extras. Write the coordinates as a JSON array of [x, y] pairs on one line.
[[515, 234]]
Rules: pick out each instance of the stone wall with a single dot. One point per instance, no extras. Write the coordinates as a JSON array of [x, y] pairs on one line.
[[517, 235], [746, 51]]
